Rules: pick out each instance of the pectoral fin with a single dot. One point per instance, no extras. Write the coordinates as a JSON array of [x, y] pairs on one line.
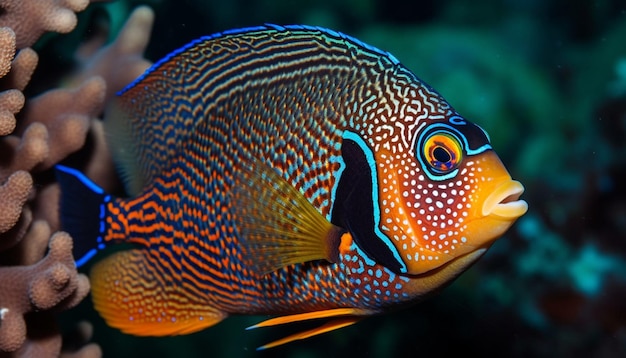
[[278, 225]]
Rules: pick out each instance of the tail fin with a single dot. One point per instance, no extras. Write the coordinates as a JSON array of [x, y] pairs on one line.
[[83, 212]]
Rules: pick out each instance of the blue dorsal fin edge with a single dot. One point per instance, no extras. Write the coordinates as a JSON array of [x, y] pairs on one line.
[[83, 212], [265, 27]]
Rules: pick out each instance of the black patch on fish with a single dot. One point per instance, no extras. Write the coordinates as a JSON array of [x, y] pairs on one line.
[[354, 207], [475, 136]]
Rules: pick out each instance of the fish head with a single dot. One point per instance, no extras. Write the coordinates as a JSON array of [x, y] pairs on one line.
[[446, 196]]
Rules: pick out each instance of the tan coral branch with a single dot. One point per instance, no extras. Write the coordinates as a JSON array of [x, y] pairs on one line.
[[11, 102], [67, 115], [7, 50], [32, 18], [13, 195], [125, 52], [22, 69], [51, 282], [26, 152]]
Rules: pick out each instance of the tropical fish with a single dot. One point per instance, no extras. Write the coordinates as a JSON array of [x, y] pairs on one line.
[[284, 170]]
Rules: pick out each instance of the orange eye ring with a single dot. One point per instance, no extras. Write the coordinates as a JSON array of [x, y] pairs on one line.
[[443, 152]]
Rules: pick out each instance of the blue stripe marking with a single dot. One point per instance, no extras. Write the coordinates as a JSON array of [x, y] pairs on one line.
[[102, 212], [102, 216], [274, 26], [91, 185], [91, 253], [362, 255], [333, 190], [244, 30], [372, 164]]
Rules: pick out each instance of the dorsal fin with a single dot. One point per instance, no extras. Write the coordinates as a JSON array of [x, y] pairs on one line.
[[147, 123], [153, 116]]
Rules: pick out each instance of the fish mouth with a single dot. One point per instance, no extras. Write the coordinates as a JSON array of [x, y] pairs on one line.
[[504, 201]]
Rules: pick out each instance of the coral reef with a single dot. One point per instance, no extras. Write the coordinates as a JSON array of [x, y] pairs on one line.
[[52, 282], [38, 277], [30, 19]]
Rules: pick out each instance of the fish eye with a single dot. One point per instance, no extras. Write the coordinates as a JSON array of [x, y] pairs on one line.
[[443, 152]]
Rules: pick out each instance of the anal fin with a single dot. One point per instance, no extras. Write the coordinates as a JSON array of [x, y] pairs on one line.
[[343, 317], [133, 293], [327, 327]]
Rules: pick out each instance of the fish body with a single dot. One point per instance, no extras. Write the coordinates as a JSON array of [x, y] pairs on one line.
[[292, 171]]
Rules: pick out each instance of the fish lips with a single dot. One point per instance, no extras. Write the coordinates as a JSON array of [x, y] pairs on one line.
[[504, 201], [498, 213]]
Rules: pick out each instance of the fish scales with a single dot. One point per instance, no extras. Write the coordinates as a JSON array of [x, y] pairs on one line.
[[236, 120], [250, 143]]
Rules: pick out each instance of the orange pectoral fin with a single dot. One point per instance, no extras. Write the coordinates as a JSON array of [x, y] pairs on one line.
[[278, 225], [132, 292], [346, 317]]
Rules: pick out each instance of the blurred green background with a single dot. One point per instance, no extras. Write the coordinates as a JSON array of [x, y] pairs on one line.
[[547, 80]]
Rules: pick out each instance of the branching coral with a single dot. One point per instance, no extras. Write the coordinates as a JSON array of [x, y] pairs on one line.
[[51, 282], [35, 134], [66, 114], [13, 195], [125, 52], [32, 18]]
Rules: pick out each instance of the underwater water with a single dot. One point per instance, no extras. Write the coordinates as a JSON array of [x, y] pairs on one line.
[[547, 81]]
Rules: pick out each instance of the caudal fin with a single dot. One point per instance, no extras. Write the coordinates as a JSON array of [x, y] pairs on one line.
[[83, 212]]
